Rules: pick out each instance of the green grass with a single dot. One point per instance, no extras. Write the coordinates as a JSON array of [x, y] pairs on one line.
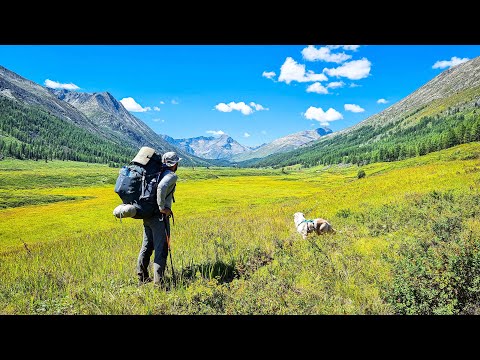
[[9, 200], [235, 249]]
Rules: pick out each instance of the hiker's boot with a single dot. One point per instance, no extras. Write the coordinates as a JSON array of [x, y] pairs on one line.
[[144, 280], [161, 284]]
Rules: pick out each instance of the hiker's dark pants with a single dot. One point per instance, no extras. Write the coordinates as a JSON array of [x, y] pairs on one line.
[[154, 240]]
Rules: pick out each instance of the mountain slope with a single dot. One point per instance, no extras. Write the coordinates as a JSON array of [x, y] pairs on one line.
[[111, 116], [222, 147], [31, 132], [88, 127], [442, 113], [21, 90], [284, 144]]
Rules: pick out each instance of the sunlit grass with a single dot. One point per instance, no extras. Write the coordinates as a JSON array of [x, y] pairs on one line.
[[235, 249]]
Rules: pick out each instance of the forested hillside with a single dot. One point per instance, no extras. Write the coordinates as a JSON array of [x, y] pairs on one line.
[[28, 132], [431, 133], [442, 113]]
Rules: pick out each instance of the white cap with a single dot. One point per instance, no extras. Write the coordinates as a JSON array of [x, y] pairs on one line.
[[170, 158]]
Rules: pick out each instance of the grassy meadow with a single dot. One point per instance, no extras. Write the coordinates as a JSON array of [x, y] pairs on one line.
[[407, 240]]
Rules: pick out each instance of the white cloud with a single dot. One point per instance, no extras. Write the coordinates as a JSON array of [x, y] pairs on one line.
[[175, 102], [223, 107], [56, 85], [353, 108], [268, 74], [258, 107], [344, 47], [317, 88], [162, 102], [131, 105], [311, 53], [293, 71], [353, 70], [263, 132], [336, 84], [449, 63], [158, 120], [240, 106], [324, 117], [382, 101], [246, 135], [156, 108], [353, 85], [215, 133]]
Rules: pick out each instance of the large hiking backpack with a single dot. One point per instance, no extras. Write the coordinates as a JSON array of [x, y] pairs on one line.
[[137, 184]]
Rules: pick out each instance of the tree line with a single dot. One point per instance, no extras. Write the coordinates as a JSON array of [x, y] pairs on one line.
[[32, 133], [388, 143]]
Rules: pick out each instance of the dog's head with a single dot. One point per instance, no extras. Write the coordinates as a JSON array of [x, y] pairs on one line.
[[298, 217]]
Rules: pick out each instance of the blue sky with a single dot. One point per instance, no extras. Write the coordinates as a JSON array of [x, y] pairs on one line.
[[254, 93]]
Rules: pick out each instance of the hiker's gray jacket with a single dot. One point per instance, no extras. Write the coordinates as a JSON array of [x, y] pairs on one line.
[[164, 188]]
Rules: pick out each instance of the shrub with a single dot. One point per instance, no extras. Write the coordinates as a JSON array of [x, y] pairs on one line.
[[361, 174], [439, 272]]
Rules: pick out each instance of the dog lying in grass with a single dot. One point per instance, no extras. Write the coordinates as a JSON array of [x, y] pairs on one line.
[[304, 227]]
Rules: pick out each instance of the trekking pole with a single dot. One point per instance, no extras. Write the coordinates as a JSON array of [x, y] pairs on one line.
[[170, 252]]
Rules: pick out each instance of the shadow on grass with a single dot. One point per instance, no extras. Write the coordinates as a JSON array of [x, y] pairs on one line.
[[223, 272]]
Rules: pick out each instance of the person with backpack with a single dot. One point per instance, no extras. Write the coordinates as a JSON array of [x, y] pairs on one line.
[[156, 229]]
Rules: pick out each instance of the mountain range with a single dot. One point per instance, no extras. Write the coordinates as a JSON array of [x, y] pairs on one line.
[[209, 147], [226, 148], [443, 112], [283, 144], [42, 123], [106, 124], [98, 118]]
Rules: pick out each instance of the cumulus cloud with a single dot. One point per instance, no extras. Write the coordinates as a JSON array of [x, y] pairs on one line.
[[215, 132], [324, 117], [56, 85], [268, 74], [317, 88], [246, 135], [258, 107], [223, 107], [353, 108], [449, 63], [336, 84], [240, 106], [382, 101], [131, 105], [353, 70], [311, 53], [344, 47], [293, 71], [156, 108], [175, 102]]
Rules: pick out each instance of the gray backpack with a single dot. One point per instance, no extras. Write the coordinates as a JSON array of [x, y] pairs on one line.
[[137, 183]]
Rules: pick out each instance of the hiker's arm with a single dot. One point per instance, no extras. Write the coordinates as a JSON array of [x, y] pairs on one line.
[[166, 211], [165, 186]]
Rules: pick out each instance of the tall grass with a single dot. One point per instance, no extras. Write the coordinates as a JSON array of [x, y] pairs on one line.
[[235, 249]]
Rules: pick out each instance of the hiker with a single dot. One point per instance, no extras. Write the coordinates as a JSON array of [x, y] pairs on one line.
[[157, 228]]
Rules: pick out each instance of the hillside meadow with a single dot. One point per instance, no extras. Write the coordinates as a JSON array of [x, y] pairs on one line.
[[407, 240]]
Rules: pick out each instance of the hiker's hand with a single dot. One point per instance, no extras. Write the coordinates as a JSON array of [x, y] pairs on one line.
[[166, 211]]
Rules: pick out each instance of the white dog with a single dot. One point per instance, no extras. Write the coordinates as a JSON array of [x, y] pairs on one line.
[[305, 227]]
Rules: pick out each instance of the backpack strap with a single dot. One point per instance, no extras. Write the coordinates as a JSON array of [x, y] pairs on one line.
[[173, 197], [160, 175]]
